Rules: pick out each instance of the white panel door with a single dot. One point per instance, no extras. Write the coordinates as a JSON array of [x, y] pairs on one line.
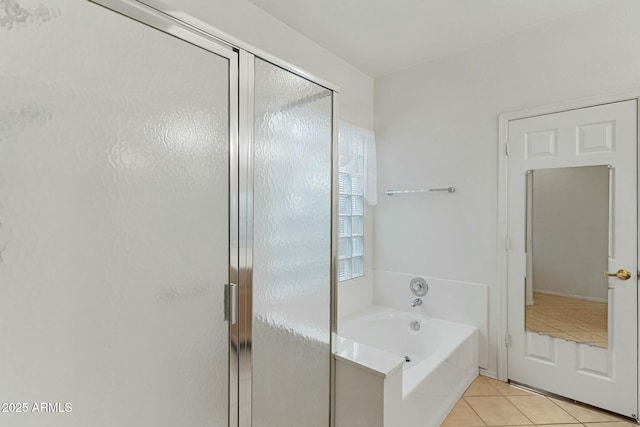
[[114, 221], [599, 135]]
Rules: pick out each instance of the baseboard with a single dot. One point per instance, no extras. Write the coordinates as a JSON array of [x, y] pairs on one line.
[[490, 374]]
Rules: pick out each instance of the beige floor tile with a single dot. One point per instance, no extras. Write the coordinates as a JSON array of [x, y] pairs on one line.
[[566, 316], [611, 424], [584, 414], [541, 410], [594, 319], [551, 330], [509, 410], [539, 327], [497, 411], [462, 416], [568, 327], [591, 328], [506, 389], [544, 319], [480, 387], [585, 336], [563, 335]]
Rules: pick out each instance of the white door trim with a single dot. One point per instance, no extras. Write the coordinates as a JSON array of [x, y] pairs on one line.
[[503, 139]]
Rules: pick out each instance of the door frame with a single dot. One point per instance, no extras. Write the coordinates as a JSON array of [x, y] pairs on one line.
[[502, 225]]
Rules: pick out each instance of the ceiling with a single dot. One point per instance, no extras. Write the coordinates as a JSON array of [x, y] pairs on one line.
[[383, 36]]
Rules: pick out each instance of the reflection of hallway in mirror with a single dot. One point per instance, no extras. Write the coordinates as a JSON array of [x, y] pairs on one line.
[[569, 318]]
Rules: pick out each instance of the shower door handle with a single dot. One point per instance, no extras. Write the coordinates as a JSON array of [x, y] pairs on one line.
[[230, 302]]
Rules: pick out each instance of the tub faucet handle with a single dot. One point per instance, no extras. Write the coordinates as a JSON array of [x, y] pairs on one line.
[[416, 302], [419, 286]]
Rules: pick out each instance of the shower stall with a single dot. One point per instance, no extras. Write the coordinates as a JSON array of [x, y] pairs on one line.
[[166, 223]]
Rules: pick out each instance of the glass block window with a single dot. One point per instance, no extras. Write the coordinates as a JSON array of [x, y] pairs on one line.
[[351, 208]]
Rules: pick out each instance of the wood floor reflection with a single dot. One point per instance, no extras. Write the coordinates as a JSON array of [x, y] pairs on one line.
[[569, 318]]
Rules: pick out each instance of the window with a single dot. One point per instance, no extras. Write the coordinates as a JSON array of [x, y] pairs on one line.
[[351, 188]]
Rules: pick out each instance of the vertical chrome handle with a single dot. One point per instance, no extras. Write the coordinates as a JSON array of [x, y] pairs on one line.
[[230, 302]]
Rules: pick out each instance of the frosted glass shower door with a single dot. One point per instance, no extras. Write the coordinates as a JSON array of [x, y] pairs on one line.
[[114, 220], [292, 250]]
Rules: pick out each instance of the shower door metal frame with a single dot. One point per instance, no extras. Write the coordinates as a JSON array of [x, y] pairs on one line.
[[245, 284], [144, 11], [241, 55], [335, 162]]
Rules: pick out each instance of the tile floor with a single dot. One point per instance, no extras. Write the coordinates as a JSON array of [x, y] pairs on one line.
[[488, 402], [569, 318]]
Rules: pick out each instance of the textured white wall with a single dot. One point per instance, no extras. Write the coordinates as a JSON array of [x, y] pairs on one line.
[[436, 125]]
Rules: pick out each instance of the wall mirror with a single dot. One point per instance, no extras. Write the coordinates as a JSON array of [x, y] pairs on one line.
[[567, 245]]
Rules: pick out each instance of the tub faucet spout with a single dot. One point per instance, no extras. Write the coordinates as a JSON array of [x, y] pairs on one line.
[[416, 302]]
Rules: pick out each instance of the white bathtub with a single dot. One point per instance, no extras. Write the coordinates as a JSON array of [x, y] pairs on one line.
[[438, 361]]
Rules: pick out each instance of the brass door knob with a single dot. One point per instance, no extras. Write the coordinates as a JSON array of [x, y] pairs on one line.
[[621, 274]]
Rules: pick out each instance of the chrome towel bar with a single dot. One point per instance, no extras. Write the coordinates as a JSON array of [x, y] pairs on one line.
[[430, 190]]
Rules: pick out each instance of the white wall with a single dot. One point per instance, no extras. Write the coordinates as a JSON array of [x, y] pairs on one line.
[[436, 125]]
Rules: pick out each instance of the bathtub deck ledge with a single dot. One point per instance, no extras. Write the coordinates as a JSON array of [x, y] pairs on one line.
[[378, 362]]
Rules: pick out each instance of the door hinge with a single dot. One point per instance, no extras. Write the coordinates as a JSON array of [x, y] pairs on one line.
[[506, 149], [507, 339], [230, 302], [507, 244]]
